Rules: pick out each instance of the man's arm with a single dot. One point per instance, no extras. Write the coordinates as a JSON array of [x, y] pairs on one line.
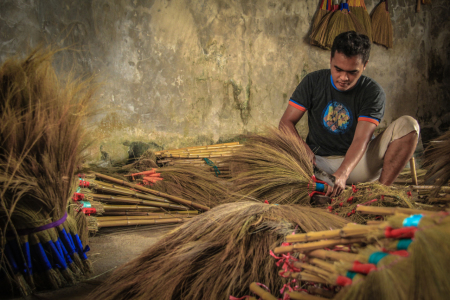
[[288, 121], [363, 134]]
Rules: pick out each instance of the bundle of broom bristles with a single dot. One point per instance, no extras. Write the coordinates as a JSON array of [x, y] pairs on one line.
[[404, 257], [41, 141]]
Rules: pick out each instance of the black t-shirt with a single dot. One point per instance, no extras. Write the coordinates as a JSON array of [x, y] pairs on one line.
[[332, 114]]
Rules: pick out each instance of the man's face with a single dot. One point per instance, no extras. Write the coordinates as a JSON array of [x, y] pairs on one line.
[[346, 71]]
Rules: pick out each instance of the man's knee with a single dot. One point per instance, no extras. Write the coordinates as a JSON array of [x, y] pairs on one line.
[[403, 126]]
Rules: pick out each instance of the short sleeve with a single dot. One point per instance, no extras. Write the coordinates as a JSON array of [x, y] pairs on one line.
[[373, 104], [301, 98]]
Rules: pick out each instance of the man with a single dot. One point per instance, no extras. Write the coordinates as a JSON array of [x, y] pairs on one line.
[[344, 108]]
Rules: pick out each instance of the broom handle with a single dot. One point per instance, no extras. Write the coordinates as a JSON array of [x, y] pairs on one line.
[[255, 288], [418, 6], [302, 296], [387, 5], [412, 164], [156, 193], [373, 210]]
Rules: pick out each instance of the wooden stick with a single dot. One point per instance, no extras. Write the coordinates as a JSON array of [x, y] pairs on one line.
[[333, 255], [219, 154], [445, 189], [101, 224], [127, 192], [265, 295], [115, 207], [165, 216], [442, 199], [374, 210], [113, 199], [302, 296], [321, 292], [412, 164], [146, 190], [305, 277], [143, 213], [322, 264], [349, 231], [326, 244], [201, 147], [308, 267]]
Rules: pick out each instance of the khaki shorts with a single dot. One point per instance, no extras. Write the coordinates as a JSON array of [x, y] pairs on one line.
[[370, 165]]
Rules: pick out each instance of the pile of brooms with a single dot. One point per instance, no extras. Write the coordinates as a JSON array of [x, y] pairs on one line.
[[216, 254], [41, 141], [405, 257]]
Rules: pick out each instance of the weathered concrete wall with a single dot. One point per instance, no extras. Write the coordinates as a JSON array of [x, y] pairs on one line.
[[182, 72]]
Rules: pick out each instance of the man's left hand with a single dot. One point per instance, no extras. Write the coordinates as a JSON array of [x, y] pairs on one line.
[[339, 186]]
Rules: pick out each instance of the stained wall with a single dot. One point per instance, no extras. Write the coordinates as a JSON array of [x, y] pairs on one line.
[[181, 73]]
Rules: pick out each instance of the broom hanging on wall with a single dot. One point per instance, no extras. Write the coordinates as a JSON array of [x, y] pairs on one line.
[[318, 34], [358, 8], [341, 21], [324, 7], [41, 141], [382, 30]]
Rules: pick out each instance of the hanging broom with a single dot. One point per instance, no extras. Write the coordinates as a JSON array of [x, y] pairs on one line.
[[318, 34], [216, 254], [358, 9], [324, 7], [41, 141], [341, 21], [382, 30]]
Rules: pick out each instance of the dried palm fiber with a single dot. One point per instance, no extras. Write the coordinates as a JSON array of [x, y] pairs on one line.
[[319, 33], [41, 141], [403, 259], [437, 161], [341, 21], [324, 7], [273, 166], [216, 254], [369, 193], [193, 183], [382, 30], [358, 9]]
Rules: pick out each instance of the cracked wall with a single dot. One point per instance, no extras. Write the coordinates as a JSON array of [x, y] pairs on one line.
[[181, 72]]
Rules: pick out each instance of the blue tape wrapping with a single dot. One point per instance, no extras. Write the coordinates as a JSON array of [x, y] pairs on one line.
[[26, 249], [350, 274], [40, 252], [413, 220], [11, 259], [375, 257], [85, 204], [66, 242], [79, 246], [69, 235], [64, 252], [345, 6], [58, 261], [19, 257], [404, 244], [320, 187]]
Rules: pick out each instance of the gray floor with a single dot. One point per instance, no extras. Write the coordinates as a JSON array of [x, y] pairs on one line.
[[110, 248]]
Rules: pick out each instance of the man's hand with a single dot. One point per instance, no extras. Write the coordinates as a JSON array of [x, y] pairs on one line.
[[339, 186]]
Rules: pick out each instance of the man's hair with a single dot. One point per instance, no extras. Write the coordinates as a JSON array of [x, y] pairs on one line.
[[351, 44]]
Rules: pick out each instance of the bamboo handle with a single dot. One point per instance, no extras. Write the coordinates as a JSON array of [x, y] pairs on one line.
[[412, 164], [255, 288], [325, 244], [305, 277], [318, 271], [333, 255], [322, 264], [302, 296], [156, 193], [372, 210]]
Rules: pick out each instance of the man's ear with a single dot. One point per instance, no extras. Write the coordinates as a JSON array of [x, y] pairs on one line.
[[365, 65]]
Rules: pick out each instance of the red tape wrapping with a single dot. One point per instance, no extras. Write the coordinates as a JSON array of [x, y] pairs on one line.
[[400, 233], [363, 268], [343, 281]]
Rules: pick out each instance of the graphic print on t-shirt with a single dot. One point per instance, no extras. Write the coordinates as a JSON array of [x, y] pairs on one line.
[[337, 118]]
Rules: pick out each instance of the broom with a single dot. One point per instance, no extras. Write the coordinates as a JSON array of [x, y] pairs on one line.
[[391, 266], [273, 167], [318, 34], [216, 254], [342, 21], [382, 30], [358, 9], [40, 148], [324, 7], [436, 159]]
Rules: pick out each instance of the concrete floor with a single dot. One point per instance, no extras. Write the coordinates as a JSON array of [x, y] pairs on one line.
[[110, 248]]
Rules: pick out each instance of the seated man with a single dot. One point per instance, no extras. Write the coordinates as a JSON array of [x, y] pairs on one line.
[[344, 108]]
